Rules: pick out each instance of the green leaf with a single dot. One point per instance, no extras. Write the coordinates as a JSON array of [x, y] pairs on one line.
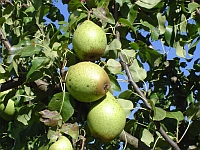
[[125, 94], [114, 45], [161, 23], [175, 115], [159, 114], [71, 129], [146, 137], [24, 48], [192, 6], [127, 23], [37, 63], [114, 66], [112, 50], [128, 55], [127, 106], [138, 73], [147, 3], [61, 102], [179, 50], [73, 5], [183, 24], [114, 84], [103, 15], [168, 35]]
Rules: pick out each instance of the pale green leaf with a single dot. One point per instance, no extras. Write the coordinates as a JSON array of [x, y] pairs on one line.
[[159, 114], [138, 73], [192, 6], [180, 51], [175, 115], [114, 66], [146, 137], [148, 4], [161, 23], [127, 106]]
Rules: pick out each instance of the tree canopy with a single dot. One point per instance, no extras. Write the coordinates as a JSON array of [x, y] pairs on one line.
[[160, 96]]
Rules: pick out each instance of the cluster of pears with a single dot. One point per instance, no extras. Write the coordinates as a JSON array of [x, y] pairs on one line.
[[88, 82]]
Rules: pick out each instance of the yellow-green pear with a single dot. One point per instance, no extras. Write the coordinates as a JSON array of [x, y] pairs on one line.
[[106, 118], [63, 143], [89, 41], [87, 81], [8, 112]]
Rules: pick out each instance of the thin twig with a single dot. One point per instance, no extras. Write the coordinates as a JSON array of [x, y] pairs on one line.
[[5, 41]]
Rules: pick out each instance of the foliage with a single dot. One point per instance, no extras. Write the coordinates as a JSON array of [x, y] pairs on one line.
[[36, 52]]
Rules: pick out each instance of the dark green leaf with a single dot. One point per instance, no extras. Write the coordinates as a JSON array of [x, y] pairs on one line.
[[61, 102]]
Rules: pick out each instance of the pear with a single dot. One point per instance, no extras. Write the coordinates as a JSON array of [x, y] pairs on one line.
[[87, 81], [63, 143], [7, 112], [106, 118], [89, 41]]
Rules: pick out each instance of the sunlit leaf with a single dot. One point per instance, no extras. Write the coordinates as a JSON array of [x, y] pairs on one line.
[[159, 114], [138, 73], [146, 137], [175, 115], [127, 106], [114, 66]]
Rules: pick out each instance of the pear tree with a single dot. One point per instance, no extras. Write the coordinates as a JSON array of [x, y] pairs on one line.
[[102, 74]]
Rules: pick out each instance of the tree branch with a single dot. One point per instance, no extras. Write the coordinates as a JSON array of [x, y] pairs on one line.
[[124, 136], [5, 41], [144, 99]]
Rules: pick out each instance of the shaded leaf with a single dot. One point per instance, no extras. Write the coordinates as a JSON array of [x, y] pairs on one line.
[[50, 118], [103, 15], [71, 129], [147, 3], [125, 94], [114, 83], [61, 102], [37, 62]]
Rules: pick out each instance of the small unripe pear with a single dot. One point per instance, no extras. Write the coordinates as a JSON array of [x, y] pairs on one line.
[[106, 118], [63, 143], [7, 112], [89, 41], [87, 81]]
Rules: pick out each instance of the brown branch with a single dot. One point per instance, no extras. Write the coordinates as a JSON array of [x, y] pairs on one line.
[[5, 41], [124, 136], [144, 99], [11, 84]]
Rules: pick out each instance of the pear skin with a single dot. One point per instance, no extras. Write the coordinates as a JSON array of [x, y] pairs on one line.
[[106, 118], [89, 41], [87, 81]]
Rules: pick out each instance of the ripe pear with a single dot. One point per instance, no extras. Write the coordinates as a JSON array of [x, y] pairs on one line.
[[8, 112], [87, 81], [106, 118], [63, 143], [89, 41]]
